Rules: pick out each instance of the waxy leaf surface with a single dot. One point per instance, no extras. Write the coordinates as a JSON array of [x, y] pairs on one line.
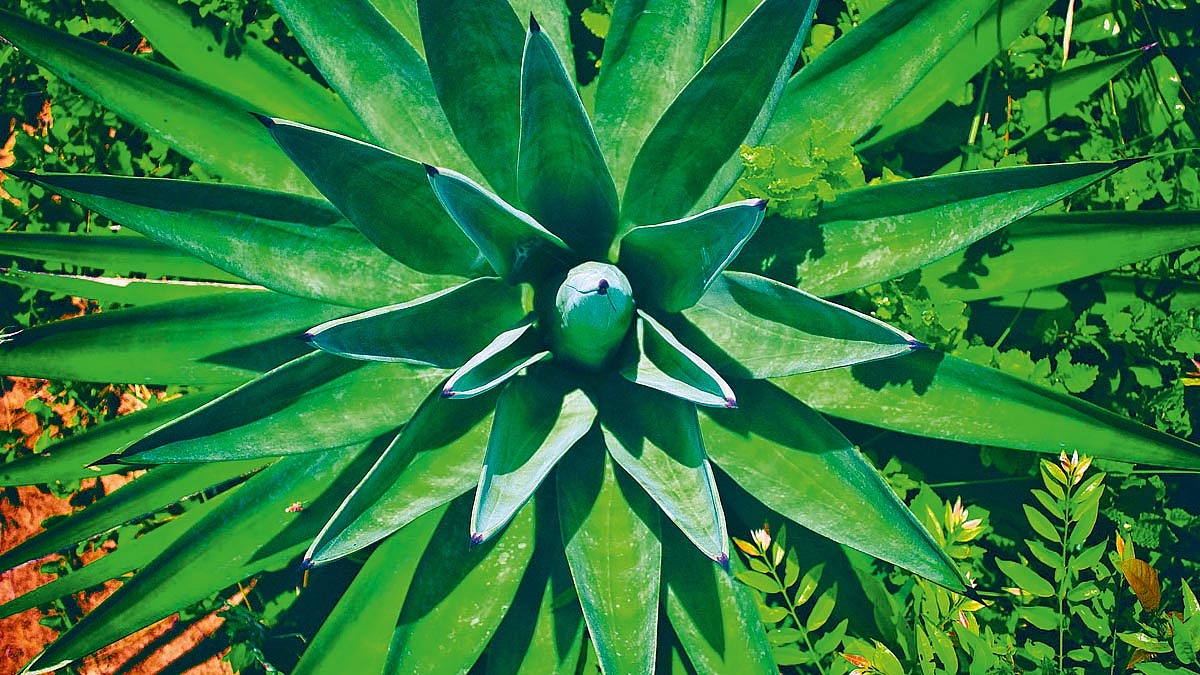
[[662, 362]]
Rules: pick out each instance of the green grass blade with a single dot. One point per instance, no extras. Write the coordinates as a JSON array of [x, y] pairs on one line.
[[673, 264], [218, 339], [257, 74], [656, 439], [123, 254], [69, 459], [474, 51], [230, 538], [459, 595], [120, 290], [862, 75], [206, 124], [378, 74], [355, 637], [295, 245], [798, 465], [443, 330], [1110, 240], [561, 175], [433, 460], [610, 532], [714, 616], [664, 363], [652, 49], [751, 327], [386, 196], [315, 402], [911, 223], [537, 422], [940, 396], [690, 159], [517, 246]]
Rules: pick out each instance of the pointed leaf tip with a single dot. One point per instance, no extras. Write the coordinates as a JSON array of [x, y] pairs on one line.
[[722, 559], [730, 402], [476, 539], [534, 26], [447, 392], [431, 170], [266, 120], [307, 564], [917, 344]]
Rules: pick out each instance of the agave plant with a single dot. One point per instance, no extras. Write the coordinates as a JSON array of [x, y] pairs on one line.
[[524, 348]]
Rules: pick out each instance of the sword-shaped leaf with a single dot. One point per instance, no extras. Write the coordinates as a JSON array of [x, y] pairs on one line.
[[511, 352], [798, 465], [610, 531], [1109, 240], [217, 339], [561, 175], [940, 396], [153, 490], [752, 327], [386, 196], [355, 636], [459, 595], [474, 51], [204, 123], [672, 264], [537, 421], [258, 74], [443, 330], [232, 537], [386, 83], [316, 402], [905, 225], [119, 289], [434, 459], [516, 245], [712, 613], [652, 49], [690, 159], [656, 439], [285, 242], [121, 254], [662, 362]]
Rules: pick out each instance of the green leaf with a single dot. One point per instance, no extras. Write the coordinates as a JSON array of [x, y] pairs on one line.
[[1000, 26], [758, 581], [204, 123], [1042, 618], [285, 242], [459, 595], [656, 439], [443, 330], [863, 74], [1111, 240], [1048, 503], [752, 327], [121, 254], [690, 159], [1145, 642], [673, 264], [664, 363], [232, 538], [1067, 88], [402, 14], [434, 459], [119, 290], [911, 223], [930, 394], [258, 74], [713, 616], [474, 50], [386, 196], [800, 466], [516, 245], [652, 49], [315, 402], [561, 175], [511, 352], [1042, 525], [69, 459], [378, 74], [219, 339], [821, 610], [1026, 579], [1089, 557], [538, 419], [152, 491], [356, 634], [1191, 606], [610, 534], [1052, 560], [554, 17]]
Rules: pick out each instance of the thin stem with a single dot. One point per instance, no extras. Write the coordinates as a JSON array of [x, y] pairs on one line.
[[791, 606]]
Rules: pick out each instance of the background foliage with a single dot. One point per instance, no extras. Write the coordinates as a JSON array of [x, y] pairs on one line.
[[1048, 542]]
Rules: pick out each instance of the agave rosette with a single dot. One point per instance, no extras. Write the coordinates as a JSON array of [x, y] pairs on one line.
[[538, 296]]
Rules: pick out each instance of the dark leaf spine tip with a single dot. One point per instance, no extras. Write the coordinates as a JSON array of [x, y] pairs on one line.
[[1126, 163], [476, 539], [722, 559], [1145, 48], [534, 26], [730, 402], [431, 170], [973, 594], [307, 564], [266, 120], [448, 393], [917, 344], [107, 461], [761, 204]]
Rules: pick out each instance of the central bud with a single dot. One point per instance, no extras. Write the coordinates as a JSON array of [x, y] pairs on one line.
[[592, 311]]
